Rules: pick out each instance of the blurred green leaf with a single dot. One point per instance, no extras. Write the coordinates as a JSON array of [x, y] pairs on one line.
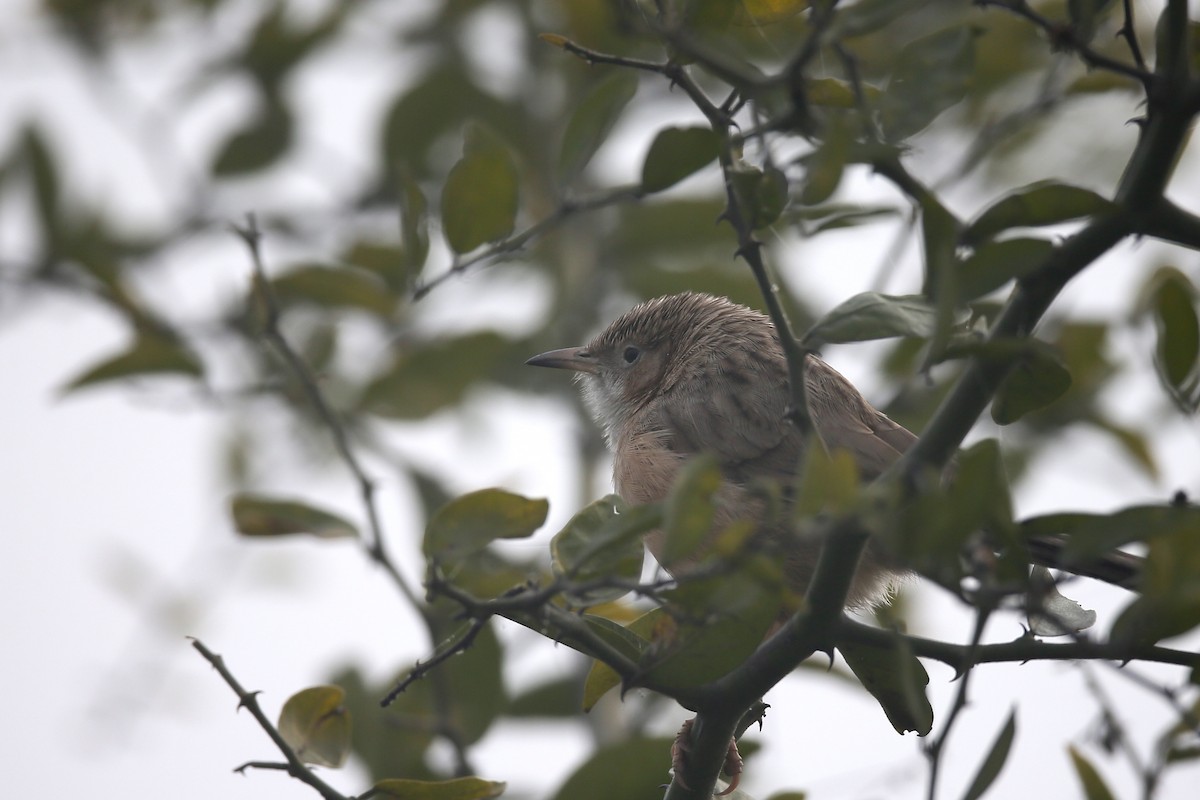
[[436, 105], [823, 167], [259, 144], [1085, 16], [1169, 603], [429, 376], [832, 216], [931, 74], [278, 44], [836, 93], [1178, 353], [477, 519], [603, 541], [1041, 203], [1037, 379], [896, 679], [996, 263], [1095, 534], [454, 789], [555, 698], [721, 621], [1094, 787], [316, 724], [414, 229], [479, 199], [259, 515], [43, 173], [871, 315], [469, 695], [631, 640], [690, 510], [762, 193], [593, 120], [829, 482], [989, 770], [869, 16], [150, 354], [634, 769], [332, 287], [675, 154]]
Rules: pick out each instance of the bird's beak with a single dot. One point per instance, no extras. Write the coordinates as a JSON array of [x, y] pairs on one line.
[[575, 358]]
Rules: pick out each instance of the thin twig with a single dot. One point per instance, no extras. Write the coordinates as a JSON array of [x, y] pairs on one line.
[[511, 244], [1062, 36], [1128, 31], [249, 700], [935, 749]]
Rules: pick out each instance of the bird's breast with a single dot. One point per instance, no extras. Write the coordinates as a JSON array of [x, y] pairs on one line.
[[645, 466]]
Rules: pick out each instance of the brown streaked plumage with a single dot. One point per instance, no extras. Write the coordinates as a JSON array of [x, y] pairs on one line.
[[693, 373]]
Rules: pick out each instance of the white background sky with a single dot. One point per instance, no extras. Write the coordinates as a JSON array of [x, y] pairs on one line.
[[114, 539]]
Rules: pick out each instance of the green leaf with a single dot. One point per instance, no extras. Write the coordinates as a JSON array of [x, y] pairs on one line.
[[762, 194], [896, 679], [723, 620], [871, 315], [996, 263], [631, 640], [823, 167], [675, 154], [592, 122], [868, 16], [1178, 353], [469, 694], [425, 377], [832, 216], [258, 145], [931, 74], [150, 354], [555, 698], [43, 173], [829, 483], [690, 511], [414, 229], [1094, 787], [603, 541], [1038, 378], [1169, 603], [1092, 535], [332, 287], [475, 520], [634, 769], [258, 515], [455, 789], [991, 766], [836, 93], [479, 200], [1041, 203], [316, 724]]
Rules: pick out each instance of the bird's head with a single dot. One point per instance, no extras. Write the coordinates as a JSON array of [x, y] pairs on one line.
[[645, 352]]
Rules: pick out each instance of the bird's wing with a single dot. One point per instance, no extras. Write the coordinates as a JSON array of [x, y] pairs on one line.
[[846, 421], [740, 419]]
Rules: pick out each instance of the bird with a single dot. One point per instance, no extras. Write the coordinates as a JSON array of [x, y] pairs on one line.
[[688, 374], [692, 373]]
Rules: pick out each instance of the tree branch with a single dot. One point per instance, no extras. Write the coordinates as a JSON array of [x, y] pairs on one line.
[[249, 700]]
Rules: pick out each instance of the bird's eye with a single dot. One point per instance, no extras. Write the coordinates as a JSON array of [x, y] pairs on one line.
[[631, 354]]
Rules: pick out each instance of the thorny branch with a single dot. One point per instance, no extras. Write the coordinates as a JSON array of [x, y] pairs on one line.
[[249, 700]]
